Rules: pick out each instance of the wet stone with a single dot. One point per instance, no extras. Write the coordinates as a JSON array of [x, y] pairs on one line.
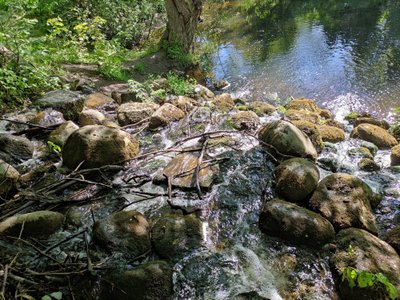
[[68, 102], [124, 231], [165, 115], [38, 224], [59, 135], [174, 236], [15, 149], [8, 178], [295, 224], [374, 134]]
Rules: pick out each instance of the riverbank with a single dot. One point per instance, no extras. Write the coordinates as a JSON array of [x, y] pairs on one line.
[[195, 196]]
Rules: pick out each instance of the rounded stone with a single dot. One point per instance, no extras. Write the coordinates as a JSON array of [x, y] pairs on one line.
[[374, 134], [91, 117], [345, 200], [8, 178], [59, 135], [125, 231], [245, 120], [331, 134], [296, 179], [295, 224], [284, 139], [96, 145], [395, 156], [134, 112]]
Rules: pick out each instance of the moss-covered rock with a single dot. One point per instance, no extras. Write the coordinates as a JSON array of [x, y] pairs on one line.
[[369, 165], [295, 224], [150, 281], [245, 120], [91, 117], [370, 120], [345, 201], [131, 113], [363, 251], [124, 231], [186, 104], [59, 135], [331, 134], [165, 115], [223, 102], [173, 236], [38, 224], [303, 104], [395, 156], [374, 134], [302, 115], [362, 152], [286, 139], [395, 130], [68, 102], [97, 145], [262, 108], [312, 132], [296, 179], [8, 178]]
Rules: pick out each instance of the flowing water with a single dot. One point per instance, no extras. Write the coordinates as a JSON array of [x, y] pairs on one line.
[[344, 54]]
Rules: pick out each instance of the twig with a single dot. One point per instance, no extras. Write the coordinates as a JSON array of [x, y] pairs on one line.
[[64, 240], [27, 123], [3, 288]]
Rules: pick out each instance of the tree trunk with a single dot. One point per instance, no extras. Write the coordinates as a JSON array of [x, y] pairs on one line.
[[183, 16]]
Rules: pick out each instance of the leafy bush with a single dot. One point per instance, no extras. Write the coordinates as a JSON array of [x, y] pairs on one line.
[[364, 279], [180, 85]]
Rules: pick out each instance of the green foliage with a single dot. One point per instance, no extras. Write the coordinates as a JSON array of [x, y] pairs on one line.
[[363, 279], [52, 296], [175, 52], [54, 148], [180, 85]]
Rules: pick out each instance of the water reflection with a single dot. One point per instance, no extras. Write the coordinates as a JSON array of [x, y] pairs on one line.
[[342, 53]]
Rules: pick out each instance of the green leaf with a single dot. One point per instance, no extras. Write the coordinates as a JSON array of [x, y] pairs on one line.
[[365, 279], [56, 295], [46, 297]]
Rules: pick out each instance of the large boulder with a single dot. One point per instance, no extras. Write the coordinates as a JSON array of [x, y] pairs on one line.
[[181, 171], [331, 134], [296, 179], [8, 178], [38, 224], [287, 140], [59, 135], [363, 251], [124, 231], [345, 201], [68, 102], [370, 120], [295, 224], [131, 113], [151, 281], [374, 134], [15, 149], [173, 236], [97, 145], [395, 156], [165, 115]]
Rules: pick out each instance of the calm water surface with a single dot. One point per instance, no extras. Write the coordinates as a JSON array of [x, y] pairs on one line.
[[343, 54]]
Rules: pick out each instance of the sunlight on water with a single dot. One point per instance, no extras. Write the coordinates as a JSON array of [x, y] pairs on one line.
[[345, 58]]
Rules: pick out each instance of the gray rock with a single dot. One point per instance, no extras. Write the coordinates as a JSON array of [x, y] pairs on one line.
[[15, 149], [48, 117], [165, 115], [287, 139], [295, 224], [131, 113], [296, 179], [91, 117], [97, 145], [59, 135], [68, 102]]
